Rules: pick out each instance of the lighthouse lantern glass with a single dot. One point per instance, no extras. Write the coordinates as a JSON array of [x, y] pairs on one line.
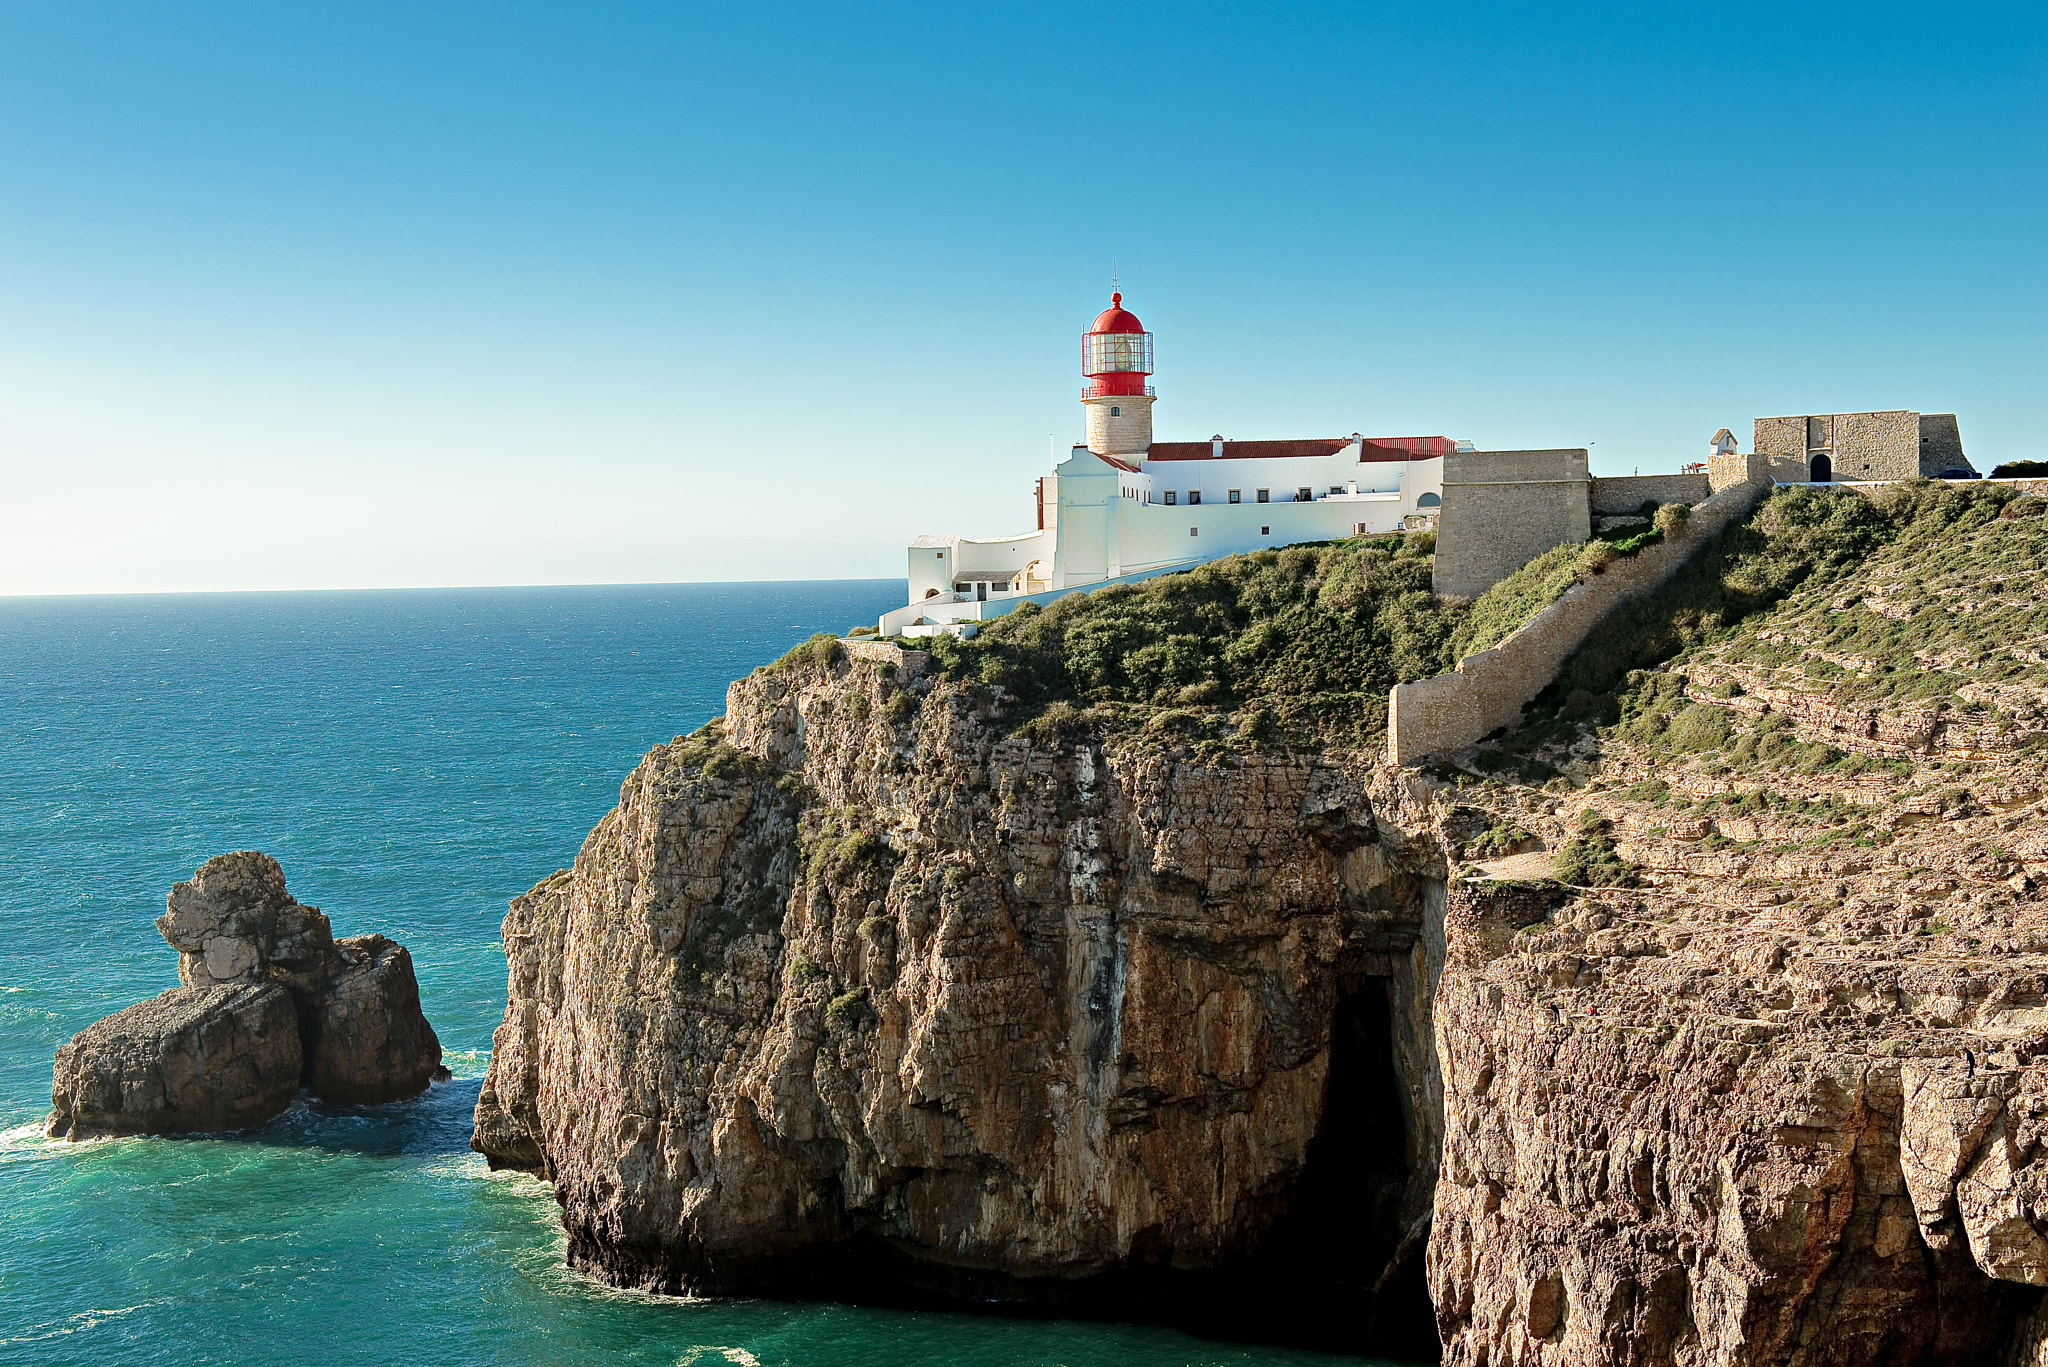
[[1110, 353]]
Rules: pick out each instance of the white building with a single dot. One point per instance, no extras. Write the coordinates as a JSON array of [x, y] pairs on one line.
[[1123, 507]]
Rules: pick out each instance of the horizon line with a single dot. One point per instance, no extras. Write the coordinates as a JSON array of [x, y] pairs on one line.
[[436, 588]]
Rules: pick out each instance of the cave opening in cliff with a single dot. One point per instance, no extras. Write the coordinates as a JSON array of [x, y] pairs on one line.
[[1342, 1267]]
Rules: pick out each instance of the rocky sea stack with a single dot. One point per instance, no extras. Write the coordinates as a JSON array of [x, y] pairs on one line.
[[269, 1002]]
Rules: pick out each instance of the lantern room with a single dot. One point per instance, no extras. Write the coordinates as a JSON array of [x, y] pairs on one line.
[[1116, 353]]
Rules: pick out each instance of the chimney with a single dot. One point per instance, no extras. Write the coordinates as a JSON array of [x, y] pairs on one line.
[[1216, 445]]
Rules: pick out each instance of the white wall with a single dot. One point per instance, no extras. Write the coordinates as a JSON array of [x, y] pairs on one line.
[[1153, 534], [1001, 555], [1216, 477], [1419, 477], [1088, 508], [1109, 523], [930, 567]]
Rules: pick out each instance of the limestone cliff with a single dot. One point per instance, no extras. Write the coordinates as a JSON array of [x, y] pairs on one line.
[[861, 993], [1701, 1020]]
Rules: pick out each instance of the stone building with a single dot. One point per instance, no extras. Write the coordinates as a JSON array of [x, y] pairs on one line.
[[1853, 447]]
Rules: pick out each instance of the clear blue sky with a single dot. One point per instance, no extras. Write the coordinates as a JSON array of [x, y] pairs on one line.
[[330, 295]]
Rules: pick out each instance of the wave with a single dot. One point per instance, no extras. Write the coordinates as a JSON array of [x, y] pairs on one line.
[[84, 1319]]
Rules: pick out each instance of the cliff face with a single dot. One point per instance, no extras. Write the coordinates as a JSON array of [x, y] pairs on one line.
[[867, 995], [1677, 1140], [1701, 1020], [1770, 1085]]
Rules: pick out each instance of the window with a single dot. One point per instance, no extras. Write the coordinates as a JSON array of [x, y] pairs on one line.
[[1265, 494], [1237, 495], [1265, 531], [1194, 531], [1171, 496], [1304, 495], [1358, 529], [1115, 411], [938, 555], [1429, 501], [1194, 497], [1336, 488]]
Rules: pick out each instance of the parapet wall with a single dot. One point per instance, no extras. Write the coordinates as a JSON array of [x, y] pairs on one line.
[[1941, 445], [1488, 690], [1501, 510], [1618, 497]]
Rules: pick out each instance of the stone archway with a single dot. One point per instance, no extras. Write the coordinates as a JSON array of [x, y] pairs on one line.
[[1820, 469]]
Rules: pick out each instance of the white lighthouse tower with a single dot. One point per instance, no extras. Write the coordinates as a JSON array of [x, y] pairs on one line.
[[1116, 356]]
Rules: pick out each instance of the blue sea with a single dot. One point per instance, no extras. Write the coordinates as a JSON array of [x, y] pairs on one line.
[[414, 759]]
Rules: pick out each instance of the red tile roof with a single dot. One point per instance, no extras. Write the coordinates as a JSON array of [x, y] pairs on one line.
[[1119, 464], [1412, 448], [1374, 449]]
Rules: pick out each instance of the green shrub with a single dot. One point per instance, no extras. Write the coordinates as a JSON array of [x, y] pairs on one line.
[[1507, 606], [1699, 726], [1795, 535], [1296, 646], [850, 1008], [1591, 861], [1499, 839]]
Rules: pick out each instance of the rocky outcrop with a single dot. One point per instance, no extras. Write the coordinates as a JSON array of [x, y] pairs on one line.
[[1679, 1142], [867, 995], [868, 992], [193, 1059], [270, 1002], [374, 1043], [234, 922]]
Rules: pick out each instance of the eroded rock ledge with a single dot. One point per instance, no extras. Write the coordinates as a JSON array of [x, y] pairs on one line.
[[269, 1001]]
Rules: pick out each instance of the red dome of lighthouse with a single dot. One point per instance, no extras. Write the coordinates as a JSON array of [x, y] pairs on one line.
[[1116, 318], [1116, 352]]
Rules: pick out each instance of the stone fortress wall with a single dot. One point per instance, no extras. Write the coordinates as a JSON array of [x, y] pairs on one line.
[[1502, 509], [1941, 445], [1488, 690], [1892, 444], [1623, 496]]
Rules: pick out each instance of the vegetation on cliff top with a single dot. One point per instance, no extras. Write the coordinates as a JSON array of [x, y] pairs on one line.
[[1509, 605], [1506, 607], [1928, 595], [1293, 646]]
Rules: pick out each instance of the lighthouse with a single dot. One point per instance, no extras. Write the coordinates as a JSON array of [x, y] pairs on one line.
[[1116, 356], [1124, 507]]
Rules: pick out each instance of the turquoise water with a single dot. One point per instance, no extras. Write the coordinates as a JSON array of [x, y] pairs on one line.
[[414, 759]]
